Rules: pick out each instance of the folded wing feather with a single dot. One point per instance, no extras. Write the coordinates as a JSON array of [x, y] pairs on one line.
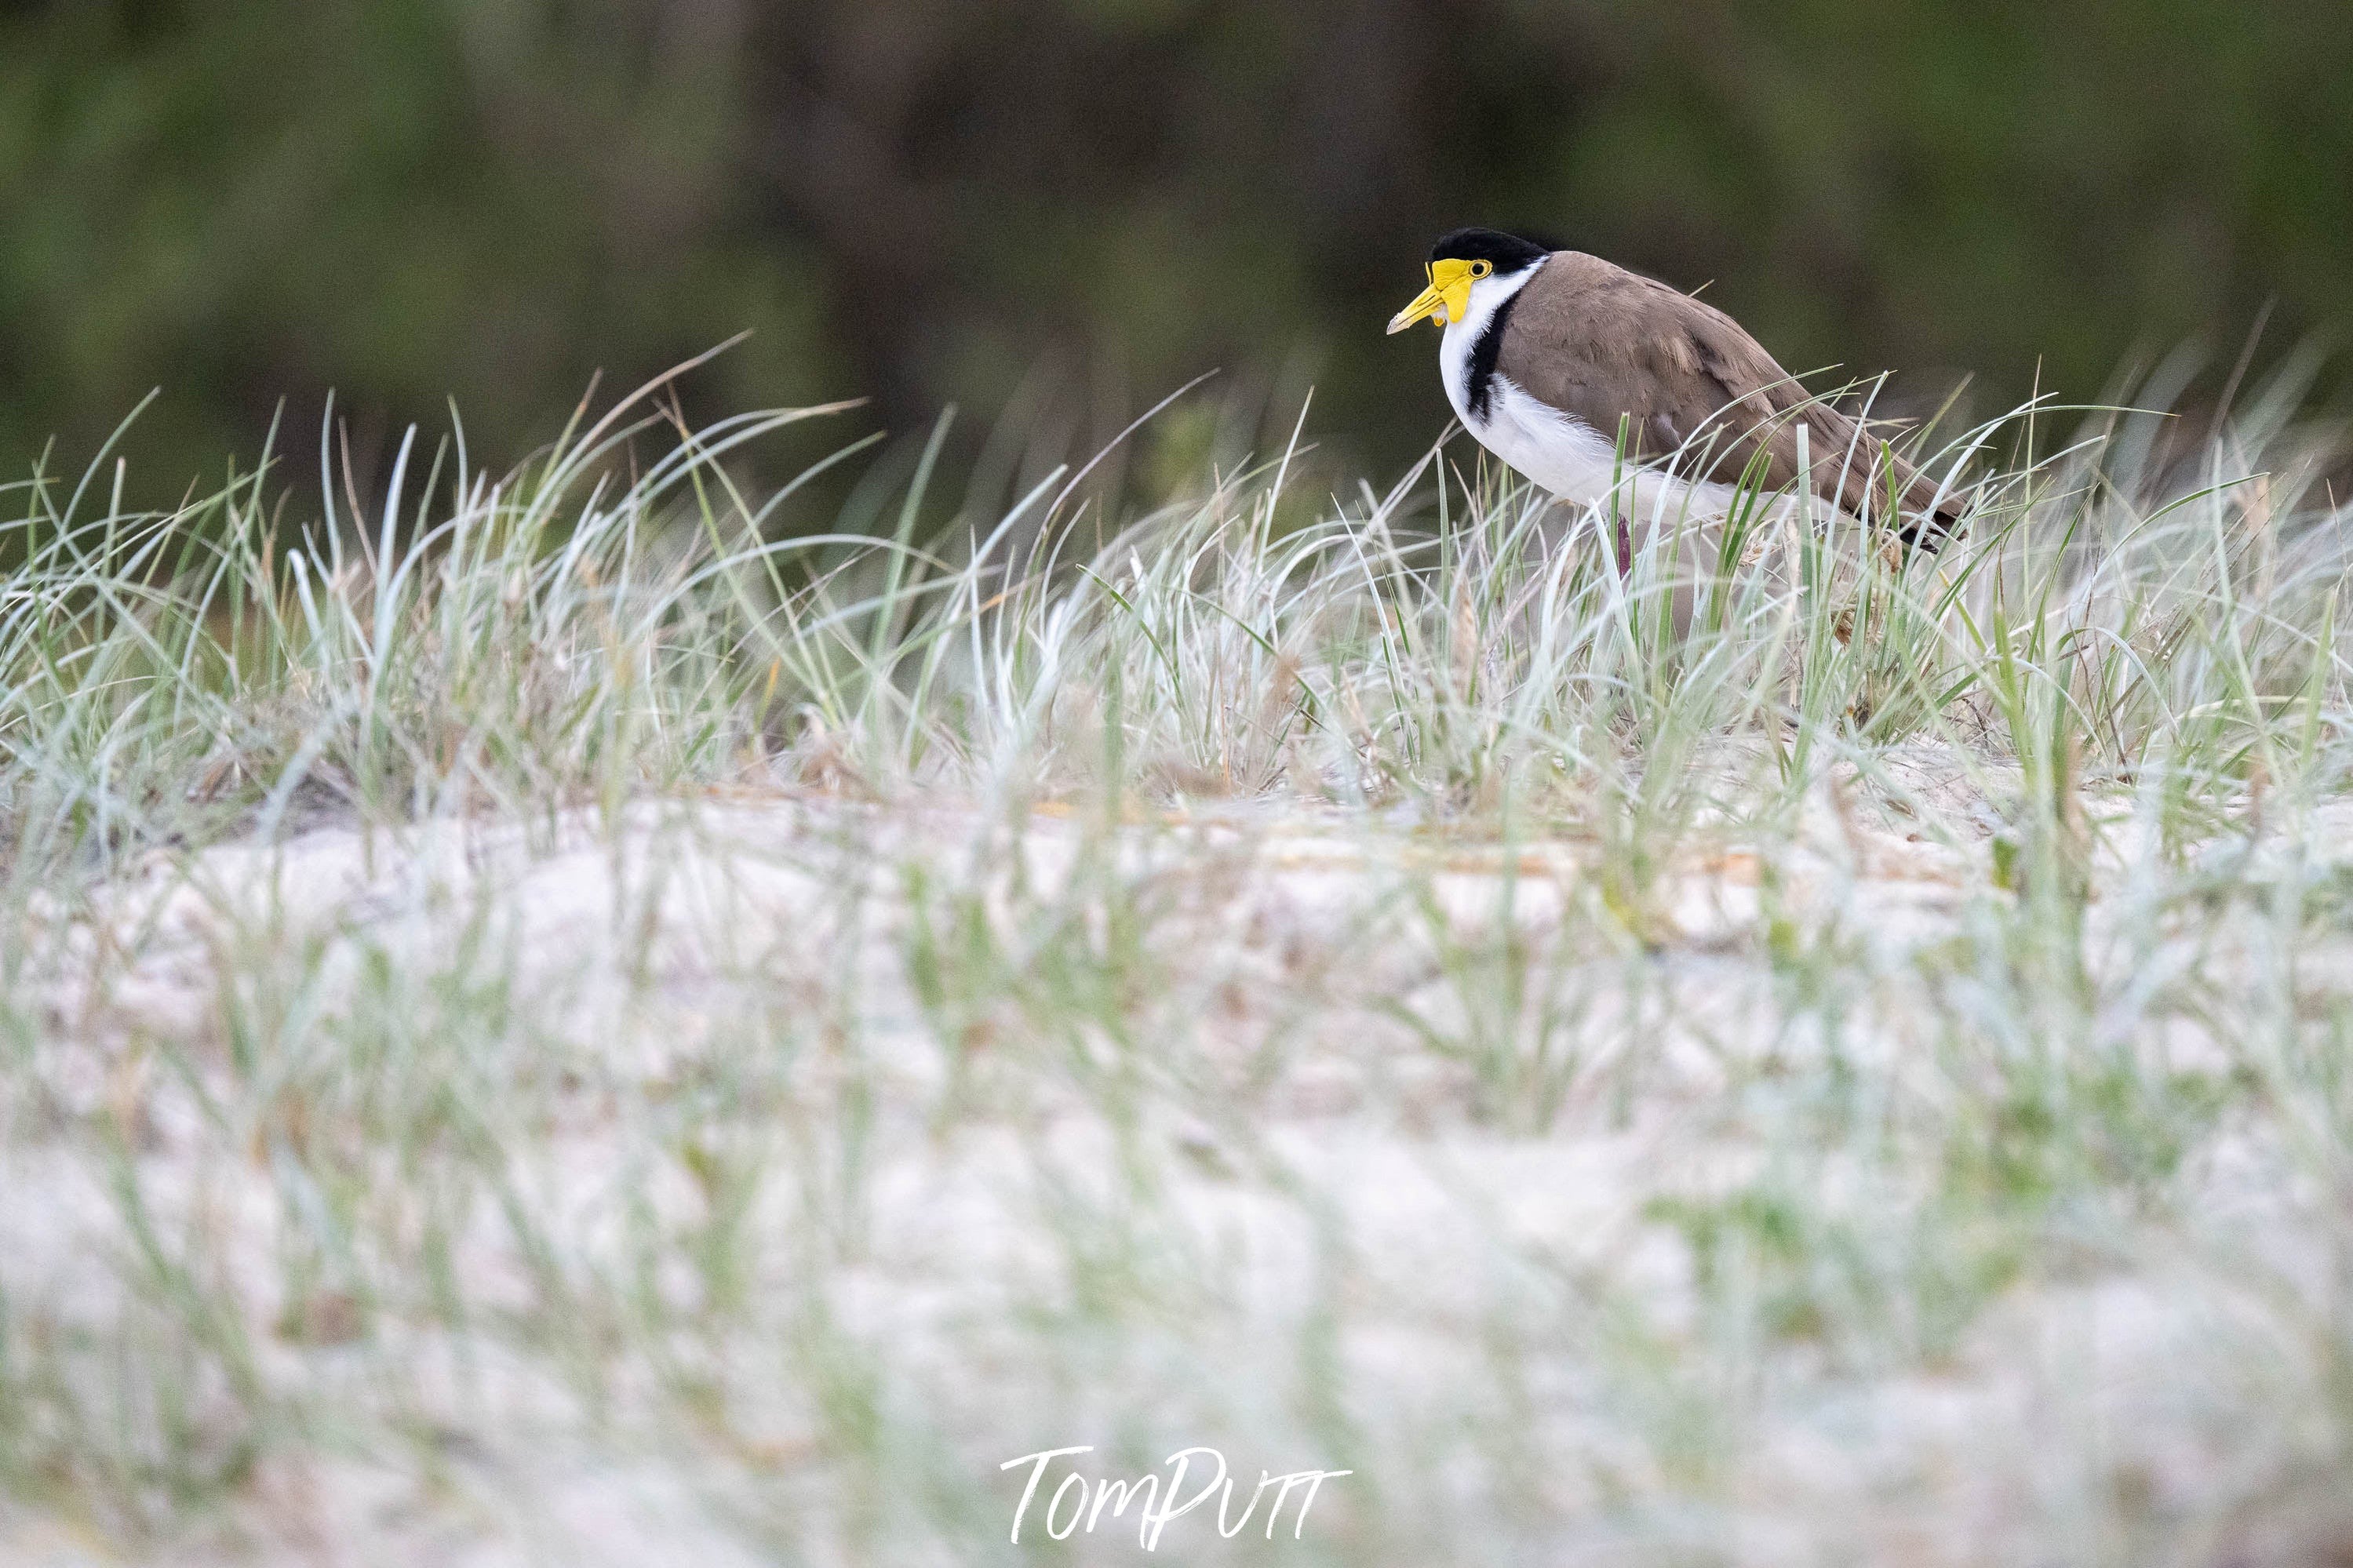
[[1619, 350]]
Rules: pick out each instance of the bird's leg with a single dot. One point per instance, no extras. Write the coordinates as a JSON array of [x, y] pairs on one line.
[[1618, 498]]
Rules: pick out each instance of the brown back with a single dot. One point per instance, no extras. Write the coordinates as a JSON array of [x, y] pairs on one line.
[[1608, 345]]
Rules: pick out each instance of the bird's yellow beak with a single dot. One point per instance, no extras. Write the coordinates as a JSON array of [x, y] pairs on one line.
[[1447, 297]]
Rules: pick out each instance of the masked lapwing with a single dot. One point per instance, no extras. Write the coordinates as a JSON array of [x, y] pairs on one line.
[[1576, 372]]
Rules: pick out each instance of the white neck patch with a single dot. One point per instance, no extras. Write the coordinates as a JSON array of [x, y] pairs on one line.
[[1455, 345]]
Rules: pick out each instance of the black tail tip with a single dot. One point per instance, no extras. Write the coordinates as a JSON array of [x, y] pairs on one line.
[[1932, 534]]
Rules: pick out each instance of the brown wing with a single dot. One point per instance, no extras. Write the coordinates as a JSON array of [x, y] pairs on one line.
[[1620, 350]]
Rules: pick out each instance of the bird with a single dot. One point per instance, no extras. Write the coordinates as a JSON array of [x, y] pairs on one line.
[[1573, 370]]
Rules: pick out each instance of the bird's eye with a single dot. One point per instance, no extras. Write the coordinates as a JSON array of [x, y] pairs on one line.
[[1481, 268]]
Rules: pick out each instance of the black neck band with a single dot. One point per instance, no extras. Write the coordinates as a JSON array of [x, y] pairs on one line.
[[1479, 383]]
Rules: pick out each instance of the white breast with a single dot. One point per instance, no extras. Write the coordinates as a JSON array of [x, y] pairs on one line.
[[1564, 455]]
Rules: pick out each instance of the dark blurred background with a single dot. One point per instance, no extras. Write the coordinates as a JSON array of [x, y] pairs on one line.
[[1075, 204]]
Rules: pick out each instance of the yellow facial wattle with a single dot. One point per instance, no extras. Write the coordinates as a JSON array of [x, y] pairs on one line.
[[1448, 297]]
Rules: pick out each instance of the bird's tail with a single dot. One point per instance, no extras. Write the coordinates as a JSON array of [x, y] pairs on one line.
[[1873, 481], [1932, 530]]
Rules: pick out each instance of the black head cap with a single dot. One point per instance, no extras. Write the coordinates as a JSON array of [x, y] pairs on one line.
[[1508, 252]]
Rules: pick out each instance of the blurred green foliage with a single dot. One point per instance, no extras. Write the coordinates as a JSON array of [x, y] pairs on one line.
[[931, 200]]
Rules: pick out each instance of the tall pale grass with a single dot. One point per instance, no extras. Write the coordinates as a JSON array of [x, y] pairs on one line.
[[347, 1201]]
